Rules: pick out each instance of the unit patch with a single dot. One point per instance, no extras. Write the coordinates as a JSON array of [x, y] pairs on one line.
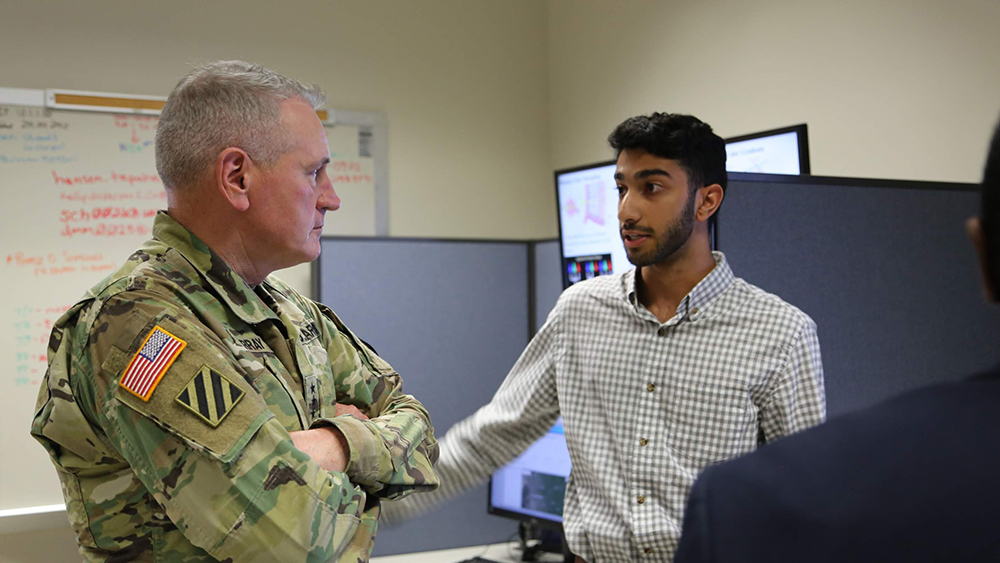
[[210, 395], [147, 367]]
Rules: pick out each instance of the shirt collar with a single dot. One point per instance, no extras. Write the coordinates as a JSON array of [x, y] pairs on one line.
[[236, 293], [701, 297]]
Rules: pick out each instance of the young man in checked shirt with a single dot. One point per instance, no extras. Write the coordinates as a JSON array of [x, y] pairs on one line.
[[657, 372]]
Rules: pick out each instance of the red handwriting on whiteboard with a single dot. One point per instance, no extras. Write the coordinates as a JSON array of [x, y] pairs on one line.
[[133, 179], [21, 259], [105, 230], [113, 196], [110, 212], [114, 177], [53, 264], [144, 122], [348, 172], [61, 180], [58, 310], [351, 178], [345, 166]]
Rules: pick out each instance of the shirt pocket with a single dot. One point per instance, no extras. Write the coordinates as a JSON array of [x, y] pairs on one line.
[[706, 419]]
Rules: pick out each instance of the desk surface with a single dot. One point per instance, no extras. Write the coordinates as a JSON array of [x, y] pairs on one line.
[[500, 552]]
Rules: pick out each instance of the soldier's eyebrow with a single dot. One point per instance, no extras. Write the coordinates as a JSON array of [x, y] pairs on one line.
[[320, 164]]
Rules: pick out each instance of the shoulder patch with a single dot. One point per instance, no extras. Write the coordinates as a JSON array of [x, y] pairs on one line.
[[210, 395], [157, 353]]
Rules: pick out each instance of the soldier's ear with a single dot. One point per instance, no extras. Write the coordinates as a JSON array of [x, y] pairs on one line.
[[233, 170]]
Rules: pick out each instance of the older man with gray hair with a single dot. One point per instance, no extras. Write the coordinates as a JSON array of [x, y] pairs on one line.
[[197, 408]]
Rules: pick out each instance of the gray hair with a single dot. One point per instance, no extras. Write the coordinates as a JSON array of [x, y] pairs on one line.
[[220, 105]]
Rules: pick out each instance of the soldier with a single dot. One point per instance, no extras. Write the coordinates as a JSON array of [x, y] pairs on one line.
[[197, 408]]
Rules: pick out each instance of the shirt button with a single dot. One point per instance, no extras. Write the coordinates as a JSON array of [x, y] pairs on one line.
[[651, 387], [694, 311], [648, 550], [643, 441], [640, 500], [662, 331]]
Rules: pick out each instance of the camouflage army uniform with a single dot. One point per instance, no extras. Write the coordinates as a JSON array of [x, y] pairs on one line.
[[205, 470]]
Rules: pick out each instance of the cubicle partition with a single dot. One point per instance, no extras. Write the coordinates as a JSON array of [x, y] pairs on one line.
[[452, 316], [883, 267]]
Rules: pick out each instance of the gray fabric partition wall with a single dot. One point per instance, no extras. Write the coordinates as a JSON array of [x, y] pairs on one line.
[[547, 279], [883, 267], [452, 317]]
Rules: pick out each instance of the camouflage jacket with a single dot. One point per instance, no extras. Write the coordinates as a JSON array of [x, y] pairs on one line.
[[195, 462]]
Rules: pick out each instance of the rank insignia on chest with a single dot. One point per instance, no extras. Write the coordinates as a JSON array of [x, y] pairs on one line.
[[210, 395], [153, 359]]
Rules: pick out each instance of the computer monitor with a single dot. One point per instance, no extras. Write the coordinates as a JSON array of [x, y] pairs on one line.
[[589, 240], [533, 486], [778, 151]]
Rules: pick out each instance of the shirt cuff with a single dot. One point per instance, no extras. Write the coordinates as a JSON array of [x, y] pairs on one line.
[[363, 465]]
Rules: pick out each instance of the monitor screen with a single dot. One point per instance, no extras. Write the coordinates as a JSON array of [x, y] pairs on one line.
[[588, 223], [778, 151], [533, 486]]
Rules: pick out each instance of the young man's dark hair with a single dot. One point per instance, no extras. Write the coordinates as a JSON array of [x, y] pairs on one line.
[[990, 213], [679, 137]]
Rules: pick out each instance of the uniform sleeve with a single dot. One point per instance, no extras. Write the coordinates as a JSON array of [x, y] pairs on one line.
[[204, 443], [522, 410], [798, 399], [393, 453]]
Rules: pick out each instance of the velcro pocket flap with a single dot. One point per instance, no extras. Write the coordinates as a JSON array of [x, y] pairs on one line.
[[199, 397]]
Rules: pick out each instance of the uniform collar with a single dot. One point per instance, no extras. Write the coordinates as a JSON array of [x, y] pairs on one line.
[[701, 297], [236, 293]]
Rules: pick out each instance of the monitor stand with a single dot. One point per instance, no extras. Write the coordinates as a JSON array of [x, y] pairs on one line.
[[548, 541]]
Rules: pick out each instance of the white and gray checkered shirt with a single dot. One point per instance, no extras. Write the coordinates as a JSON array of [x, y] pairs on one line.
[[645, 405]]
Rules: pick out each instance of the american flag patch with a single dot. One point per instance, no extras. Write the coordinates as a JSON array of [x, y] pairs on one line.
[[158, 351]]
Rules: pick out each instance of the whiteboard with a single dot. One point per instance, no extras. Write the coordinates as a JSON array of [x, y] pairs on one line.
[[80, 191]]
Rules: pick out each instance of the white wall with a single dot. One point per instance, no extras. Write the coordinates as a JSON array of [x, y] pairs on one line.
[[889, 88], [463, 84]]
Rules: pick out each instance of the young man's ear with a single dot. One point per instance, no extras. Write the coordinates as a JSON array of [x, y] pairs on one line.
[[974, 226], [233, 172], [710, 199]]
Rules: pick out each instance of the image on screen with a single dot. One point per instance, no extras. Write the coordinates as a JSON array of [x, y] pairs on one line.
[[774, 155], [588, 223], [534, 484]]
